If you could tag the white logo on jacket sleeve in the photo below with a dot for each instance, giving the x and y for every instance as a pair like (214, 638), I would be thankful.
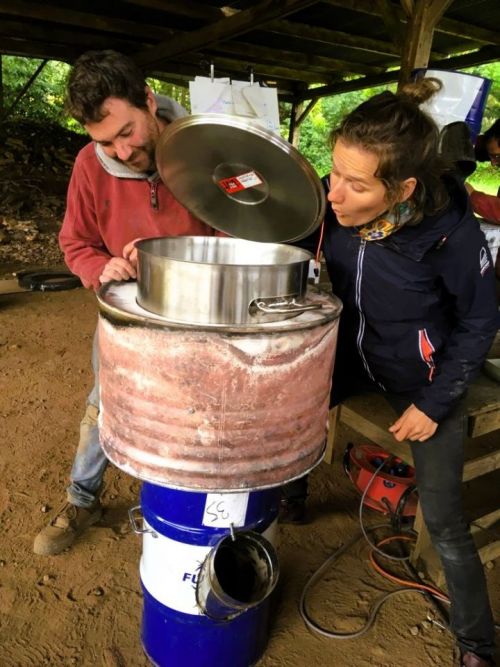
(484, 262)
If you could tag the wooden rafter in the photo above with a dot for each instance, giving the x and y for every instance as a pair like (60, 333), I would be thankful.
(392, 21)
(446, 25)
(234, 25)
(196, 10)
(331, 37)
(288, 43)
(62, 16)
(487, 54)
(264, 70)
(293, 58)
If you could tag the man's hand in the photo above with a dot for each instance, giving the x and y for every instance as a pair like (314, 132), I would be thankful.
(413, 425)
(117, 269)
(130, 252)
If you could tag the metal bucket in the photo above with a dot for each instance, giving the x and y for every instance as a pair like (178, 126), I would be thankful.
(180, 530)
(222, 408)
(212, 280)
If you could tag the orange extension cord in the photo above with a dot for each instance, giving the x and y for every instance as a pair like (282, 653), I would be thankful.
(408, 583)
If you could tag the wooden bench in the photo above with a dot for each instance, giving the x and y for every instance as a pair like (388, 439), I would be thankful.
(371, 415)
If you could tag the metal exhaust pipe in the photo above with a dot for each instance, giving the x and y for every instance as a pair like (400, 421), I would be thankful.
(239, 573)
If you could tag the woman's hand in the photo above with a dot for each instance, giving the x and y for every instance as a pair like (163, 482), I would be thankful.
(413, 425)
(130, 252)
(117, 269)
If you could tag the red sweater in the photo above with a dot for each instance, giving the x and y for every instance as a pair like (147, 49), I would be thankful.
(486, 206)
(105, 212)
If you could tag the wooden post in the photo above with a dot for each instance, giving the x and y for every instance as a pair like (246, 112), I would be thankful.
(333, 422)
(293, 130)
(297, 115)
(423, 16)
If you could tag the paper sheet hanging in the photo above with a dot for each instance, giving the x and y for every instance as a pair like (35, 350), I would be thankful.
(238, 98)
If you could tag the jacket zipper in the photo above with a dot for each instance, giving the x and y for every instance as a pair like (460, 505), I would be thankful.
(361, 330)
(153, 194)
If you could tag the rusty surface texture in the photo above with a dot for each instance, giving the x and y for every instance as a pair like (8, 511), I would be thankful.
(212, 411)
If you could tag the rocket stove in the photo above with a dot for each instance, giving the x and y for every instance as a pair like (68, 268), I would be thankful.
(215, 374)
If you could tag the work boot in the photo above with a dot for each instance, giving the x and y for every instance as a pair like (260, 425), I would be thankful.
(469, 659)
(69, 522)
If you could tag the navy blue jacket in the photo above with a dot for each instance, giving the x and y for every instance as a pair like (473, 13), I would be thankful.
(420, 309)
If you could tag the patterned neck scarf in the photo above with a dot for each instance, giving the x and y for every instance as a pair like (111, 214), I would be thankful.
(386, 223)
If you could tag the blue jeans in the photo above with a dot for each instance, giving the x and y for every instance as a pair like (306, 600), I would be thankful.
(439, 467)
(90, 462)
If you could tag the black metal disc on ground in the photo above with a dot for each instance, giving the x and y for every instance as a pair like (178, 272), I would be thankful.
(48, 281)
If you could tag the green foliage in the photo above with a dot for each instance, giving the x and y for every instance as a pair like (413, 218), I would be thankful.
(492, 112)
(45, 101)
(329, 111)
(486, 177)
(177, 93)
(45, 97)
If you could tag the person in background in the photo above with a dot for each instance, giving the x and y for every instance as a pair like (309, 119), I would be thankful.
(488, 148)
(408, 260)
(115, 196)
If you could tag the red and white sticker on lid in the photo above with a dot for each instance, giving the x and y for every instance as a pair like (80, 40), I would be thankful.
(242, 182)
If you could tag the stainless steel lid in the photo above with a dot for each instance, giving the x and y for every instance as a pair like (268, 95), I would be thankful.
(240, 178)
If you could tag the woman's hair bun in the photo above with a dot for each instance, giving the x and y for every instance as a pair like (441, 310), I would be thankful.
(421, 90)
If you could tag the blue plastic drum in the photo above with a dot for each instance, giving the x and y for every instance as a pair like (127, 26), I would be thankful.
(187, 537)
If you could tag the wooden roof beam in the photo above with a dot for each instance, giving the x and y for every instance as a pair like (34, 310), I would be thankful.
(28, 49)
(294, 58)
(244, 21)
(392, 21)
(484, 55)
(331, 37)
(65, 35)
(47, 13)
(187, 8)
(446, 25)
(264, 70)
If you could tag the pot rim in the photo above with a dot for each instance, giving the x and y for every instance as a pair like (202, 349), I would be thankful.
(307, 255)
(117, 303)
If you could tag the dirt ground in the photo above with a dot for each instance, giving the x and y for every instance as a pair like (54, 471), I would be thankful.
(84, 607)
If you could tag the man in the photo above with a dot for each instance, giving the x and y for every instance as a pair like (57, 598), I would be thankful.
(114, 197)
(487, 206)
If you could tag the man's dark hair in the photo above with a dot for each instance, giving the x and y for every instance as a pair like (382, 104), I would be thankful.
(480, 149)
(493, 132)
(97, 75)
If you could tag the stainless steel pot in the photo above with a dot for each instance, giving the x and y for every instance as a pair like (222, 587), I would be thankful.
(212, 280)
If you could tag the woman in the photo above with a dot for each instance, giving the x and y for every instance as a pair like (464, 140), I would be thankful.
(408, 260)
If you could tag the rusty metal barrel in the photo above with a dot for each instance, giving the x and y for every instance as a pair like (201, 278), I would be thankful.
(214, 408)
